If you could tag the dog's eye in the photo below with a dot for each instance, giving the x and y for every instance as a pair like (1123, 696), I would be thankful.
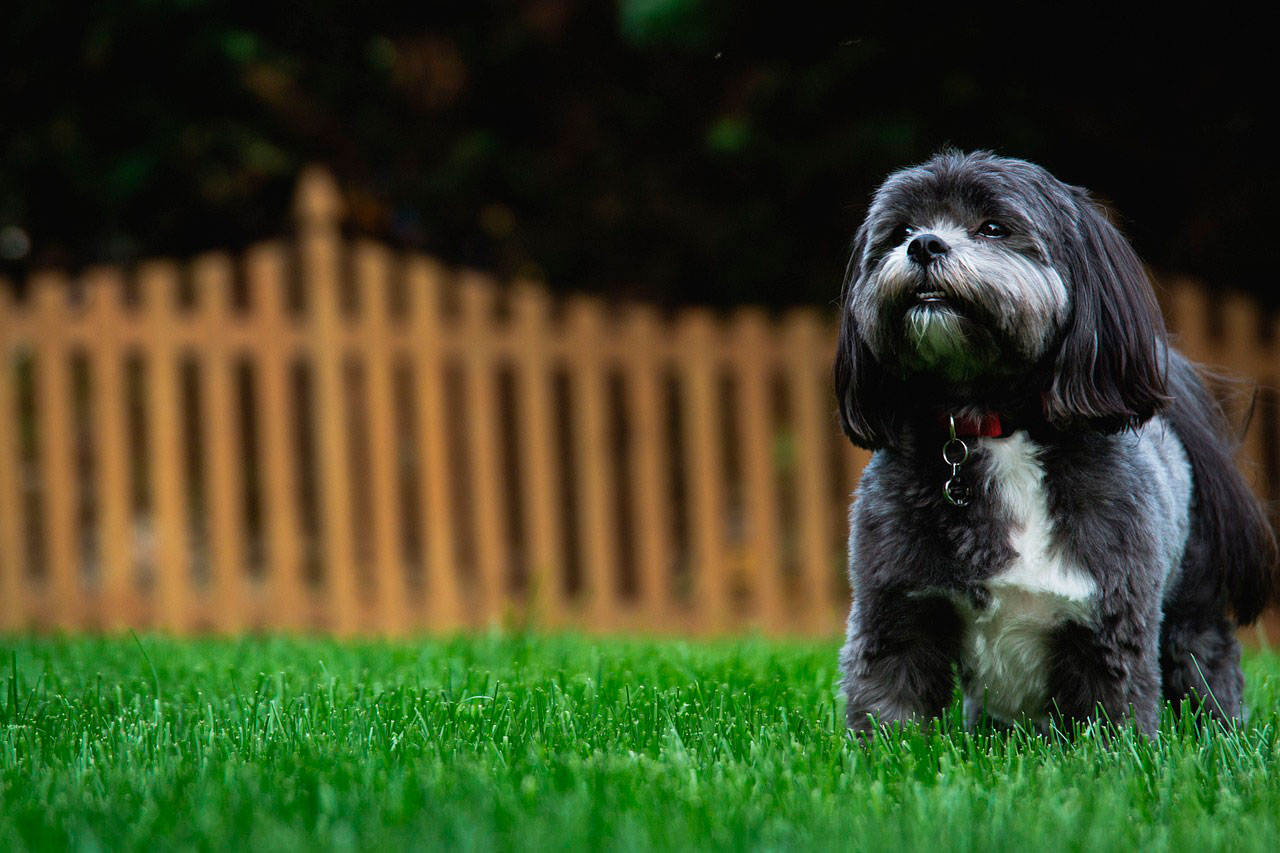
(993, 229)
(899, 234)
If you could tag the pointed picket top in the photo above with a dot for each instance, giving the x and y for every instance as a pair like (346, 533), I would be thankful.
(318, 200)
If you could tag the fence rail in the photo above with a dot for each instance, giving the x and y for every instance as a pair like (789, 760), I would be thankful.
(326, 434)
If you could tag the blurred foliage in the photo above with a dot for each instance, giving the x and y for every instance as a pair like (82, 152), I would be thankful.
(680, 150)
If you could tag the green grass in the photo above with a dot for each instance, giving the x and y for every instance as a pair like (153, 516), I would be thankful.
(565, 742)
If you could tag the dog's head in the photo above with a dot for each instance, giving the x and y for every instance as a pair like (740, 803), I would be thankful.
(974, 273)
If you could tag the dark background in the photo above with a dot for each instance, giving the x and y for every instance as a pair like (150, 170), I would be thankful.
(678, 150)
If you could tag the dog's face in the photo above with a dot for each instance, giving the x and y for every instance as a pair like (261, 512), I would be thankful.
(958, 276)
(976, 271)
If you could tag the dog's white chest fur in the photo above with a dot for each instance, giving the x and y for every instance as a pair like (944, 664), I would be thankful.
(1006, 643)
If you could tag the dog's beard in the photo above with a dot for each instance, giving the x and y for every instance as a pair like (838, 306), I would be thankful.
(936, 338)
(974, 313)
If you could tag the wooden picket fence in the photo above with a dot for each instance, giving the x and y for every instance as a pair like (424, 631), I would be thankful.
(324, 434)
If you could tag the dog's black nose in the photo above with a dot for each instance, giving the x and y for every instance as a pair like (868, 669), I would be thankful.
(927, 248)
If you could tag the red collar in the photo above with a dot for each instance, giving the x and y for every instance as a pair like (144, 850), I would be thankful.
(987, 425)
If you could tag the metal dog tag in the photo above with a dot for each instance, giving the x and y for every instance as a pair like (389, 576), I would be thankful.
(957, 491)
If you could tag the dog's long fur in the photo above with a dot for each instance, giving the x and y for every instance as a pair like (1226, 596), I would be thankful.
(1111, 549)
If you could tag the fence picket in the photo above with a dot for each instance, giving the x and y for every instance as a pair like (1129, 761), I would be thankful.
(220, 412)
(373, 277)
(814, 429)
(643, 363)
(158, 281)
(1248, 357)
(593, 461)
(118, 604)
(444, 600)
(320, 252)
(541, 492)
(488, 505)
(265, 268)
(696, 365)
(63, 594)
(760, 487)
(13, 583)
(1190, 321)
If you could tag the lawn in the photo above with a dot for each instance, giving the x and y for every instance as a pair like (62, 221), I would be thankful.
(566, 742)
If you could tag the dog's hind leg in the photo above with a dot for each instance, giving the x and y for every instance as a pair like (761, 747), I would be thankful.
(1200, 662)
(898, 660)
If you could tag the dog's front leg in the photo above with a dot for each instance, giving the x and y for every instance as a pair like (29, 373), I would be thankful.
(1108, 670)
(897, 660)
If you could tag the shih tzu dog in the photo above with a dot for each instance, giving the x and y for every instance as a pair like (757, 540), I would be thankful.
(1052, 510)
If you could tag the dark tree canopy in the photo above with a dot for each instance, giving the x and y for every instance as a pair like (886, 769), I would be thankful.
(681, 150)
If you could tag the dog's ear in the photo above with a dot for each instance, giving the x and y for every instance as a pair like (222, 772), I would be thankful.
(863, 388)
(1111, 369)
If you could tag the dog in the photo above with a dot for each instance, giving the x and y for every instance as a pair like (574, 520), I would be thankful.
(1051, 509)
